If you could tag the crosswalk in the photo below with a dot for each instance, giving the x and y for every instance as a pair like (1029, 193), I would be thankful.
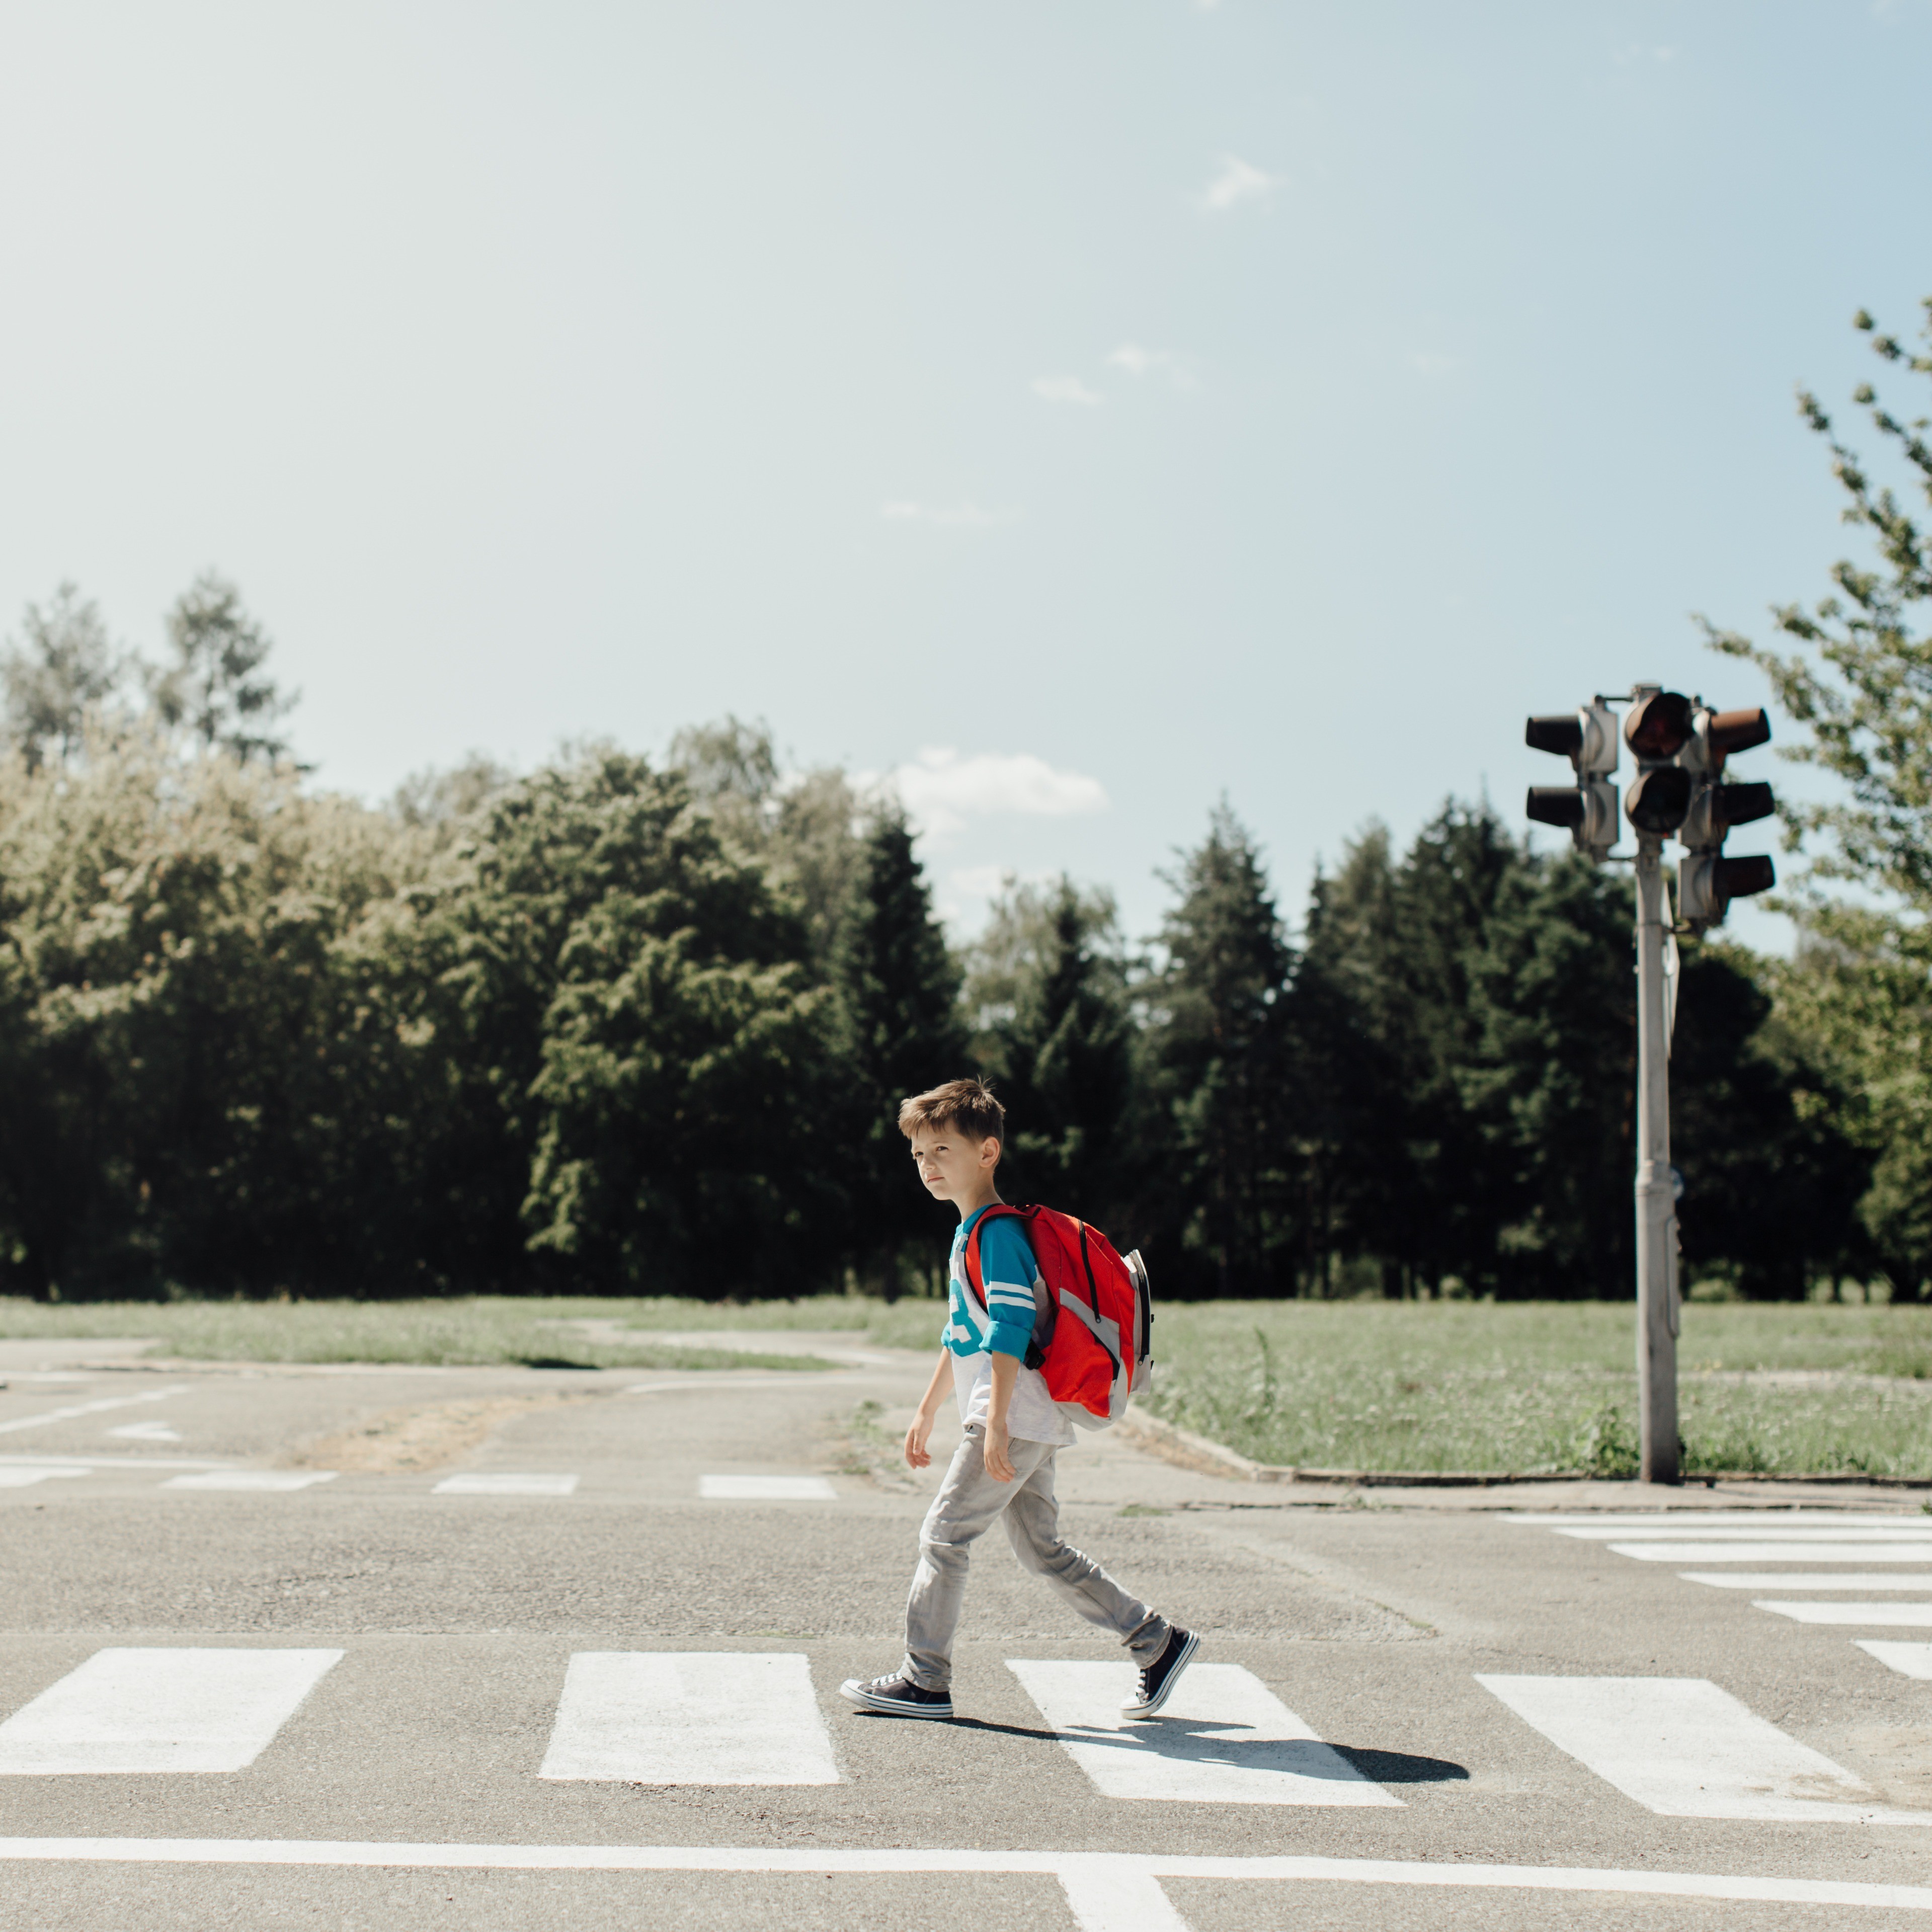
(1840, 1551)
(1681, 1747)
(1226, 1738)
(26, 1472)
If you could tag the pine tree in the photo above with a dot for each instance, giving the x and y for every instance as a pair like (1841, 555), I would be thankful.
(1050, 984)
(902, 1002)
(1223, 1061)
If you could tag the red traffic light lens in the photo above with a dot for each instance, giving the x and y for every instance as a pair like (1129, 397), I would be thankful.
(1660, 726)
(1659, 799)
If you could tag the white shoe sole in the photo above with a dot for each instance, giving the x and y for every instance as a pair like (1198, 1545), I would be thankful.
(856, 1693)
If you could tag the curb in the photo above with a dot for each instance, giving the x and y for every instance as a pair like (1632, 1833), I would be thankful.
(1176, 1444)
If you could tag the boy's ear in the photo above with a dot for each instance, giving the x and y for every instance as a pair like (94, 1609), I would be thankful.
(989, 1151)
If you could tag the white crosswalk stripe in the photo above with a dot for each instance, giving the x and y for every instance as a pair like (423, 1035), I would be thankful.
(1224, 1738)
(477, 1484)
(184, 1710)
(1715, 1552)
(691, 1717)
(267, 1480)
(1908, 1659)
(1684, 1748)
(1809, 1579)
(765, 1488)
(21, 1477)
(1905, 1616)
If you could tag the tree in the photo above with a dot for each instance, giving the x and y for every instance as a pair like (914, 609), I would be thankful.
(900, 987)
(631, 1039)
(67, 668)
(1223, 1065)
(216, 687)
(1861, 680)
(1548, 1082)
(1046, 996)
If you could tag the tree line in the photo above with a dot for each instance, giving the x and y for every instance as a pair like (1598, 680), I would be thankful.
(616, 1025)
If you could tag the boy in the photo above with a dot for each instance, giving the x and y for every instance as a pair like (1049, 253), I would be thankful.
(1003, 1467)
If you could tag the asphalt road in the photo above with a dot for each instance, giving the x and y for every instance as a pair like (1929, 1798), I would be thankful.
(508, 1709)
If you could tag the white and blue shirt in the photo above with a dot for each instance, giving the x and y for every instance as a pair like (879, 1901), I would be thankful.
(1015, 1311)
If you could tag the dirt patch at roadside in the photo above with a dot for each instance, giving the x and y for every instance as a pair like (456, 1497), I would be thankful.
(424, 1437)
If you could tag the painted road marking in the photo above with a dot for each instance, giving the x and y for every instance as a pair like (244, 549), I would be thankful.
(1775, 1552)
(1795, 1538)
(1084, 1875)
(1224, 1738)
(251, 1479)
(1683, 1748)
(52, 1461)
(1905, 1616)
(1908, 1659)
(690, 1717)
(81, 1408)
(147, 1432)
(766, 1489)
(475, 1484)
(1805, 1579)
(1718, 1519)
(161, 1710)
(21, 1474)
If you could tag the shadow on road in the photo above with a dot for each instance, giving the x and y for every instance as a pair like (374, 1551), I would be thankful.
(1400, 1767)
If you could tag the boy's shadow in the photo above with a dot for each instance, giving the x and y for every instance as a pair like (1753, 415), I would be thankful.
(1179, 1738)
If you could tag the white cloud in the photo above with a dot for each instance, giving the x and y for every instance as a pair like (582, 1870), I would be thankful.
(1065, 389)
(1138, 362)
(1425, 362)
(942, 789)
(950, 517)
(1239, 181)
(1640, 53)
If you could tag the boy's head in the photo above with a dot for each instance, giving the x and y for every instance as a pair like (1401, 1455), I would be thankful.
(955, 1131)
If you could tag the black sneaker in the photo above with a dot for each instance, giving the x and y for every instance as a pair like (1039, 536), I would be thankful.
(896, 1697)
(1160, 1676)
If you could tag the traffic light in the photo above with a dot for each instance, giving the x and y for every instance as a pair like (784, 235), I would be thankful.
(1588, 738)
(1657, 728)
(1707, 881)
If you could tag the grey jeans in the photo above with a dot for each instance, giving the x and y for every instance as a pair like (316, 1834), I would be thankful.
(964, 1510)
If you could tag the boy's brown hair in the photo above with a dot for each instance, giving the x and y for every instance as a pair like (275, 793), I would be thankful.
(966, 1105)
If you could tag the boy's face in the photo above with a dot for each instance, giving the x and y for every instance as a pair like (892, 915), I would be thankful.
(953, 1166)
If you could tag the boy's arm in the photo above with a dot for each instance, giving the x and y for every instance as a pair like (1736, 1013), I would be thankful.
(916, 1455)
(1006, 1373)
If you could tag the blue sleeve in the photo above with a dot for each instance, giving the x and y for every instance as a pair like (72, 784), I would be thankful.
(1008, 1270)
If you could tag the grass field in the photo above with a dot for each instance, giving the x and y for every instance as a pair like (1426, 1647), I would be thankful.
(481, 1331)
(1362, 1385)
(1548, 1386)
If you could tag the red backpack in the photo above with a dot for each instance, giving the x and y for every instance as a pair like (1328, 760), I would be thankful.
(1099, 1358)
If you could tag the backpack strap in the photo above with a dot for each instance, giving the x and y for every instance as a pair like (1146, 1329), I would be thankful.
(975, 1279)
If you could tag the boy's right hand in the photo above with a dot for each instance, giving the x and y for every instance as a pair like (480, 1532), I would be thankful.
(916, 1455)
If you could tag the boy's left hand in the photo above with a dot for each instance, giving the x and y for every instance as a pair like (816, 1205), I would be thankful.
(999, 1464)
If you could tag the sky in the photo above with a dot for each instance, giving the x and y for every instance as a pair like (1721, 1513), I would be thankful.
(1078, 414)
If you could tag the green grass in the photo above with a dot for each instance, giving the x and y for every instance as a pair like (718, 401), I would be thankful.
(1546, 1387)
(1360, 1385)
(481, 1331)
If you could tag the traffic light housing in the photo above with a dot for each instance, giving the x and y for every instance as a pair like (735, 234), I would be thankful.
(1657, 727)
(1588, 809)
(1707, 881)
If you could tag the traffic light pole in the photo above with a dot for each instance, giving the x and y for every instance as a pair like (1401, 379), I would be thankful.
(1657, 1316)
